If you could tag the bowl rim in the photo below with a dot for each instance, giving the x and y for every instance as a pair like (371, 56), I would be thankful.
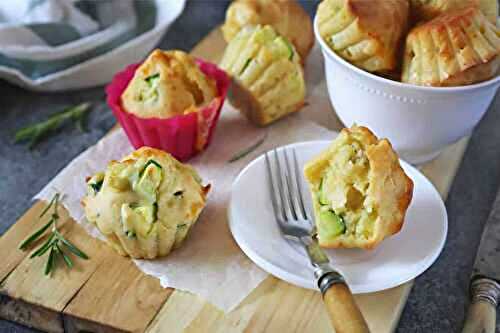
(370, 76)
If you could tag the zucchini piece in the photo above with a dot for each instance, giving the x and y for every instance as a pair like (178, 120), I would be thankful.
(150, 91)
(330, 224)
(322, 196)
(152, 80)
(290, 51)
(138, 220)
(149, 181)
(95, 183)
(249, 60)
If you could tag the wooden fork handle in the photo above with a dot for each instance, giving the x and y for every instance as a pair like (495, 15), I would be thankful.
(343, 311)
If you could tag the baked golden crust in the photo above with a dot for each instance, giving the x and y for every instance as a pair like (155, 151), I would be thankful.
(367, 33)
(146, 203)
(287, 17)
(456, 48)
(167, 84)
(268, 79)
(425, 10)
(359, 181)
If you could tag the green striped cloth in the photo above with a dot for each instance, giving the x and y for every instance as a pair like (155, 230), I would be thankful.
(40, 39)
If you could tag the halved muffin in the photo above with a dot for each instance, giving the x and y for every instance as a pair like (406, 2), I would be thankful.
(424, 10)
(367, 33)
(167, 84)
(360, 192)
(456, 48)
(146, 203)
(268, 81)
(287, 17)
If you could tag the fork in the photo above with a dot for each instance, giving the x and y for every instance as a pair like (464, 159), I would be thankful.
(296, 224)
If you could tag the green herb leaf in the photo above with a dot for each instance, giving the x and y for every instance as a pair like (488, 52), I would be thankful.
(50, 261)
(76, 251)
(54, 242)
(66, 258)
(44, 248)
(248, 150)
(35, 235)
(34, 133)
(81, 123)
(56, 196)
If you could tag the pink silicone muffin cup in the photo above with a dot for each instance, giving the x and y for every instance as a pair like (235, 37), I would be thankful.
(182, 136)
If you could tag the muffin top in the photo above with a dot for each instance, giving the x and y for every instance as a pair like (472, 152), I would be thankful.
(282, 15)
(456, 48)
(360, 192)
(266, 66)
(367, 33)
(167, 84)
(145, 203)
(424, 10)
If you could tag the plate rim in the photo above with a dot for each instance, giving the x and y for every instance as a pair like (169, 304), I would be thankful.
(295, 279)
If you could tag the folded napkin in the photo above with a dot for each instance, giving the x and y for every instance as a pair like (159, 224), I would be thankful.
(69, 44)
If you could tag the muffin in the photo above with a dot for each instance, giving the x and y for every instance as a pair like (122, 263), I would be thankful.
(425, 10)
(268, 81)
(287, 17)
(360, 192)
(171, 101)
(457, 48)
(146, 203)
(367, 33)
(168, 84)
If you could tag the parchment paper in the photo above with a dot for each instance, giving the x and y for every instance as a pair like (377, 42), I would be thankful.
(209, 263)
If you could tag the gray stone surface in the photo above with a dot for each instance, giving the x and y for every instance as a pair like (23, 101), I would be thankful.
(438, 300)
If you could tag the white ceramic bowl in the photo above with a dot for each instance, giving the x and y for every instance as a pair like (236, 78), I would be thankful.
(419, 121)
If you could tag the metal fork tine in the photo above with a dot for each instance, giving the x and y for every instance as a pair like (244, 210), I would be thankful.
(299, 186)
(281, 190)
(273, 192)
(288, 189)
(292, 187)
(284, 196)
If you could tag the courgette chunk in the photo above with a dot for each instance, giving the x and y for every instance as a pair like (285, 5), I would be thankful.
(95, 182)
(149, 181)
(323, 198)
(96, 186)
(152, 80)
(249, 60)
(331, 224)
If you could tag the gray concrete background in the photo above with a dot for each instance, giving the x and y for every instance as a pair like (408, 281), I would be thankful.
(439, 297)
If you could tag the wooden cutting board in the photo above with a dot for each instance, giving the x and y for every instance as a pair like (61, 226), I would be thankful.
(109, 294)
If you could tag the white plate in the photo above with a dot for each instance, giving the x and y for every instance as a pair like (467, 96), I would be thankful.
(398, 259)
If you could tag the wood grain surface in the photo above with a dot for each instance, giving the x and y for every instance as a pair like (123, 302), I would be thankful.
(109, 294)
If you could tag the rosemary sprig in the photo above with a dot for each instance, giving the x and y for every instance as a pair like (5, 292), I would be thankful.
(34, 133)
(248, 150)
(55, 244)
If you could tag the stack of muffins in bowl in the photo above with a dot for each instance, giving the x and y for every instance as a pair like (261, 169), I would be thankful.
(420, 73)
